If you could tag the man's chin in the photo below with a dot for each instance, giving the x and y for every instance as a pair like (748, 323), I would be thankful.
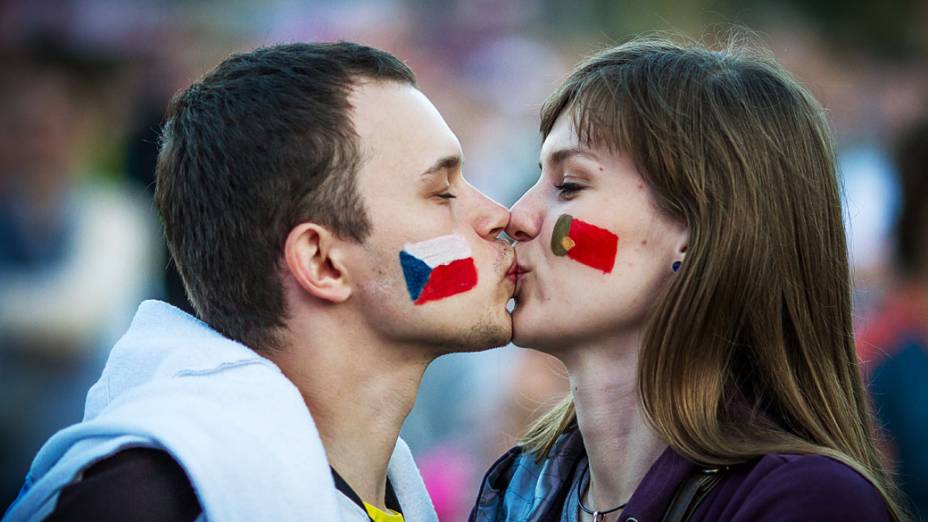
(494, 337)
(484, 335)
(470, 333)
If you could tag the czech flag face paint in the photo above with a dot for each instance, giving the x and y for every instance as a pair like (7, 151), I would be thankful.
(438, 268)
(585, 243)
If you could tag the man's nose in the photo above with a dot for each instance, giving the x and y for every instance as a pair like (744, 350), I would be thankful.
(492, 218)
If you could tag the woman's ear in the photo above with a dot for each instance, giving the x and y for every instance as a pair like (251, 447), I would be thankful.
(680, 247)
(314, 260)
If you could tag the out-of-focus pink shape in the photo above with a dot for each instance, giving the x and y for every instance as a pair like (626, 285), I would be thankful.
(448, 473)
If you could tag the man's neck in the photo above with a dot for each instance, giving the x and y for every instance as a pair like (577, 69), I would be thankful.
(359, 392)
(620, 445)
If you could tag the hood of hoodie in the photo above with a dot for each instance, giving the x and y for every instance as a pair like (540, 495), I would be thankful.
(228, 416)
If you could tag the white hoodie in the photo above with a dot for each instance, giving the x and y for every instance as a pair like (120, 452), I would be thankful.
(228, 416)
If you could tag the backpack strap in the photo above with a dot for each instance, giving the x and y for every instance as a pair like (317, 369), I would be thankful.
(692, 492)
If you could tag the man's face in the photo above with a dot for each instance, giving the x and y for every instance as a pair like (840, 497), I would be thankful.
(432, 272)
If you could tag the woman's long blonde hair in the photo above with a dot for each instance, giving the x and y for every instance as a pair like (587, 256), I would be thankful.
(750, 350)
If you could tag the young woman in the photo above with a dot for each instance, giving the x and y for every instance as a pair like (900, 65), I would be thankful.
(683, 253)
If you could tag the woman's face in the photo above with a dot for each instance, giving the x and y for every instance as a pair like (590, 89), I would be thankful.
(593, 248)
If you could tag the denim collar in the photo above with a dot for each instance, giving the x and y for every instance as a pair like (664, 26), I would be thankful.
(517, 487)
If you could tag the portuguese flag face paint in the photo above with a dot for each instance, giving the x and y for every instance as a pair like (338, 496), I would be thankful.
(585, 243)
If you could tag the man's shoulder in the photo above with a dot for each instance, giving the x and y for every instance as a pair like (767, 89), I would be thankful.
(134, 484)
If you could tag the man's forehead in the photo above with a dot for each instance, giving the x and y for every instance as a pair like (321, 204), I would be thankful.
(386, 106)
(398, 127)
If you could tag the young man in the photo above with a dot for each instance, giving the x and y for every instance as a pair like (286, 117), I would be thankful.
(313, 201)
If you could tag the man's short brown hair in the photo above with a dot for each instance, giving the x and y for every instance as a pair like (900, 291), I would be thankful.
(260, 144)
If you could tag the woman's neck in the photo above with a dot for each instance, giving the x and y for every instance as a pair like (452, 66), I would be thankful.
(620, 444)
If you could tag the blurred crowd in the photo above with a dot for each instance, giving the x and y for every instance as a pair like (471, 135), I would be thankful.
(84, 84)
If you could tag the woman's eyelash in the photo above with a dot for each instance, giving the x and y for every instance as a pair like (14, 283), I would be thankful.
(568, 188)
(446, 195)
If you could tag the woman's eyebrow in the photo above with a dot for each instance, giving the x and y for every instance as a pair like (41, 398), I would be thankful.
(562, 155)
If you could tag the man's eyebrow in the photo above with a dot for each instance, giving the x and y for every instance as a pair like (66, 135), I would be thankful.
(446, 163)
(561, 155)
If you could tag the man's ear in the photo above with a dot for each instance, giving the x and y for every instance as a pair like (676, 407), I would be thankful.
(314, 260)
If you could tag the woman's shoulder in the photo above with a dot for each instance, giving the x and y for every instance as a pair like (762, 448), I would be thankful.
(520, 470)
(522, 482)
(789, 486)
(818, 471)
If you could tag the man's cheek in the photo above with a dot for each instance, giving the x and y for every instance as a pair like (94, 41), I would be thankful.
(438, 268)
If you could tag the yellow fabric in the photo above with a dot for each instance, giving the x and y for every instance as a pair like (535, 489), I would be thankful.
(382, 516)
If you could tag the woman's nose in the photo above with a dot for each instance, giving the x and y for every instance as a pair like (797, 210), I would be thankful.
(524, 219)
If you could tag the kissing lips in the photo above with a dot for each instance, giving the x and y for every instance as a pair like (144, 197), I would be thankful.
(516, 273)
(513, 273)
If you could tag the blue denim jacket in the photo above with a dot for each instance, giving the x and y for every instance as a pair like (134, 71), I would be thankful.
(519, 487)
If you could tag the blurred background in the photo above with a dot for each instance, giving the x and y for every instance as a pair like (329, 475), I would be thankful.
(84, 83)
